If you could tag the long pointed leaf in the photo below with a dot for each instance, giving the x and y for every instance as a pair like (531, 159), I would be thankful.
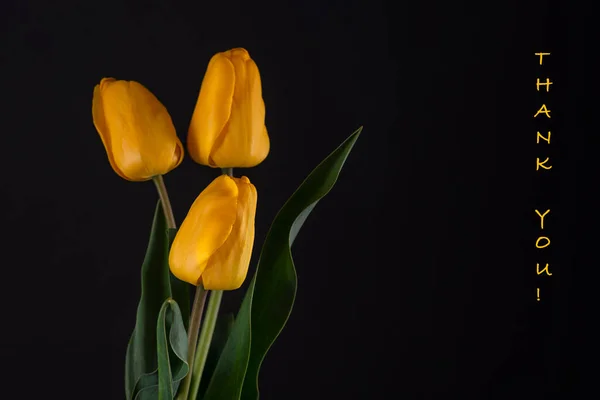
(275, 277)
(270, 296)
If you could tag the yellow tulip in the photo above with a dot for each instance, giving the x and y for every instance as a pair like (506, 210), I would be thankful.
(228, 124)
(214, 243)
(136, 130)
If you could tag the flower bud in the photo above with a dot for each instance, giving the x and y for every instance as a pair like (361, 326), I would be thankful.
(214, 244)
(228, 124)
(136, 130)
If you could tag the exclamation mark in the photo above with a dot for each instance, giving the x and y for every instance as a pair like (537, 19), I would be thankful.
(538, 294)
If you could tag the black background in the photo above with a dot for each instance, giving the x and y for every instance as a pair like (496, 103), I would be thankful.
(416, 273)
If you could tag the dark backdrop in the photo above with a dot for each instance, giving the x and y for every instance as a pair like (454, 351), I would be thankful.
(416, 273)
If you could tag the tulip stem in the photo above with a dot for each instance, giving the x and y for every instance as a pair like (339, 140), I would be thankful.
(164, 199)
(227, 171)
(195, 319)
(208, 328)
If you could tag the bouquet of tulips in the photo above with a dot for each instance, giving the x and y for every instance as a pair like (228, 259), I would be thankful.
(182, 348)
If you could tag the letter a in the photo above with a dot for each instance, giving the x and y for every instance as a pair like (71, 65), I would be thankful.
(544, 110)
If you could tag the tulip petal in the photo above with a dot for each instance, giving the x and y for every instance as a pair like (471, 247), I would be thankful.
(122, 129)
(143, 139)
(245, 142)
(212, 110)
(160, 148)
(100, 124)
(206, 227)
(228, 266)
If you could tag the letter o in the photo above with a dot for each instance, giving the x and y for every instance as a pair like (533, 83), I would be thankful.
(537, 242)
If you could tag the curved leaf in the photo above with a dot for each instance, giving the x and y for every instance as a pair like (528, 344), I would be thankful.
(270, 296)
(156, 279)
(146, 388)
(172, 349)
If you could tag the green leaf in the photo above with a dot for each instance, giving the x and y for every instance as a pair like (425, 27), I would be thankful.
(228, 376)
(171, 349)
(270, 296)
(146, 387)
(141, 359)
(222, 331)
(172, 366)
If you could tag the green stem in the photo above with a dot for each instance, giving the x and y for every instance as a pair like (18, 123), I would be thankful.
(208, 328)
(195, 319)
(227, 171)
(199, 297)
(165, 202)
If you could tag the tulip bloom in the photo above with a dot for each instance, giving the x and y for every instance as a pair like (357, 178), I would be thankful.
(136, 130)
(214, 243)
(228, 124)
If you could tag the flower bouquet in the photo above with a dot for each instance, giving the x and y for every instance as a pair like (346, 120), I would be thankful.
(182, 348)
